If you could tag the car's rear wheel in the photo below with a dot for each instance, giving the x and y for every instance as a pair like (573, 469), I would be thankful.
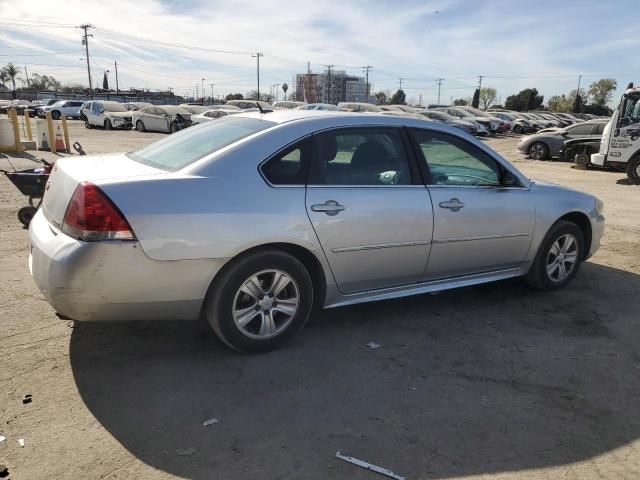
(107, 124)
(140, 126)
(633, 170)
(538, 151)
(558, 258)
(55, 115)
(260, 301)
(87, 124)
(518, 129)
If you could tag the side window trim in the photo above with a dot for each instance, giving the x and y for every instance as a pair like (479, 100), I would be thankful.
(304, 144)
(406, 145)
(424, 164)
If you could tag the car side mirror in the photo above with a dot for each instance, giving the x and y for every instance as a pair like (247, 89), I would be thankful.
(390, 177)
(510, 180)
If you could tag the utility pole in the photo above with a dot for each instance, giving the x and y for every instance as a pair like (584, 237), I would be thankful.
(203, 95)
(420, 100)
(211, 85)
(366, 69)
(115, 64)
(196, 93)
(578, 91)
(400, 86)
(257, 57)
(439, 84)
(26, 73)
(85, 41)
(329, 67)
(480, 77)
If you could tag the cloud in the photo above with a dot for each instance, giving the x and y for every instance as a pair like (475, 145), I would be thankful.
(546, 44)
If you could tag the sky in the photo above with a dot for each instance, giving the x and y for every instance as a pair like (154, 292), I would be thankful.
(512, 44)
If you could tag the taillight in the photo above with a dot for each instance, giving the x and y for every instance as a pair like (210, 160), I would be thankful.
(91, 216)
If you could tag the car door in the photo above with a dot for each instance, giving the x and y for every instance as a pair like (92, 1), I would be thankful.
(369, 211)
(95, 113)
(483, 215)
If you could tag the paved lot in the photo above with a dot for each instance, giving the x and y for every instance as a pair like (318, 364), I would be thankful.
(496, 381)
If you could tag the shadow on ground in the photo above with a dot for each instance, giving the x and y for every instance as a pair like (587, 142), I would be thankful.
(487, 379)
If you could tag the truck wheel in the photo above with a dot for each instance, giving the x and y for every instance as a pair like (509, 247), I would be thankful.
(581, 159)
(633, 170)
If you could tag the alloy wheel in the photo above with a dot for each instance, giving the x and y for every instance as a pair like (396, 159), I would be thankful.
(536, 151)
(265, 304)
(562, 257)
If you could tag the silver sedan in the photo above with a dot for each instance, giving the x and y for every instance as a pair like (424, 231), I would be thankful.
(250, 220)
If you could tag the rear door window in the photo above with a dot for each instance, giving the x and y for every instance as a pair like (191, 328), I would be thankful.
(288, 167)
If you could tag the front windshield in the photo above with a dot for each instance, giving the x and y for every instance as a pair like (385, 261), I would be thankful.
(114, 107)
(186, 147)
(631, 109)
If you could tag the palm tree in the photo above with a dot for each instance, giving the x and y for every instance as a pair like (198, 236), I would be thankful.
(12, 71)
(4, 76)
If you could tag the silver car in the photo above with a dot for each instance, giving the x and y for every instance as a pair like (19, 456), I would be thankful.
(161, 118)
(250, 220)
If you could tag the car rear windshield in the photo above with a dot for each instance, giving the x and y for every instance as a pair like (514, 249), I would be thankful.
(190, 145)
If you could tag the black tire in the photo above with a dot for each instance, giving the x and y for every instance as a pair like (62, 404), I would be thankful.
(537, 276)
(634, 138)
(55, 115)
(633, 170)
(25, 215)
(538, 151)
(140, 126)
(107, 124)
(173, 127)
(518, 129)
(87, 124)
(582, 159)
(222, 296)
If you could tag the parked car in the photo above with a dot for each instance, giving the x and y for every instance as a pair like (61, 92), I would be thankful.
(245, 104)
(287, 104)
(490, 125)
(161, 118)
(4, 106)
(213, 115)
(358, 107)
(133, 106)
(517, 125)
(193, 109)
(467, 126)
(224, 107)
(106, 114)
(250, 220)
(318, 106)
(502, 126)
(70, 108)
(544, 145)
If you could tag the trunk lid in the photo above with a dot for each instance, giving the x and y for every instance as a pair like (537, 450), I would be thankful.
(69, 172)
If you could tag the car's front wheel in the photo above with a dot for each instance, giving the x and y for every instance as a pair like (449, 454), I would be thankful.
(538, 151)
(140, 126)
(260, 301)
(559, 257)
(518, 129)
(107, 124)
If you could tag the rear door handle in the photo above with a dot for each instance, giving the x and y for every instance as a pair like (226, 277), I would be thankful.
(330, 207)
(454, 204)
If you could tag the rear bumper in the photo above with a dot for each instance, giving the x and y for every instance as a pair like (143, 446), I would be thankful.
(114, 280)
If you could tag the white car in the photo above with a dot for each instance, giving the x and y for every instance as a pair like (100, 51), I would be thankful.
(70, 109)
(106, 114)
(133, 106)
(161, 118)
(288, 104)
(213, 115)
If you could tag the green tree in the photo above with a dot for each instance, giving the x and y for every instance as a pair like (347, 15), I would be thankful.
(398, 98)
(527, 99)
(475, 103)
(560, 103)
(44, 82)
(460, 102)
(488, 96)
(4, 77)
(602, 91)
(381, 98)
(12, 71)
(234, 96)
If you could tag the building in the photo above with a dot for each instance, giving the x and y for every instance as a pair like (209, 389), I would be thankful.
(333, 86)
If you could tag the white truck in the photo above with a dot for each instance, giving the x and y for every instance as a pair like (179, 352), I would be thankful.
(620, 144)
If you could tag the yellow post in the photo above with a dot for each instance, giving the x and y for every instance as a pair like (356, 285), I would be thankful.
(65, 131)
(27, 122)
(16, 130)
(52, 139)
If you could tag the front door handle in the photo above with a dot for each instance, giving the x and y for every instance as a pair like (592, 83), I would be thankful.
(454, 204)
(330, 207)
